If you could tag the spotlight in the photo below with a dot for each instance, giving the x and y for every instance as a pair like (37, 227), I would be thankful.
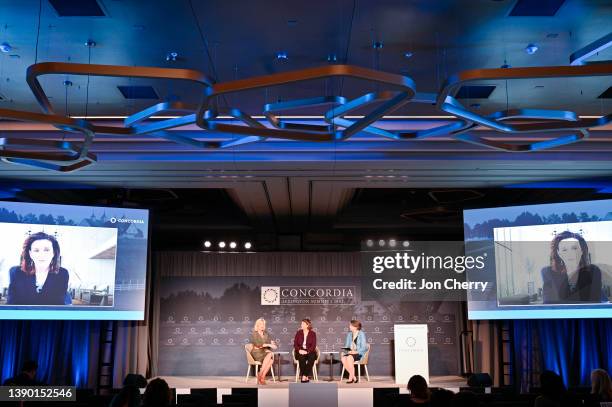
(531, 49)
(406, 243)
(207, 243)
(248, 245)
(332, 58)
(232, 245)
(392, 243)
(369, 243)
(221, 244)
(282, 55)
(381, 242)
(171, 56)
(408, 54)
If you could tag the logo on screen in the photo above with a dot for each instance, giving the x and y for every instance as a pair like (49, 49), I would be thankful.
(270, 295)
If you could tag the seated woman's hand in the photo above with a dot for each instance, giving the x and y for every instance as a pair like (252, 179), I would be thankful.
(303, 352)
(352, 352)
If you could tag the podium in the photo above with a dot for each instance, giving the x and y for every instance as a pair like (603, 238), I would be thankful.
(411, 355)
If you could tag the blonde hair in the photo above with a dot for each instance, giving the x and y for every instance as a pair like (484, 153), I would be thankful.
(601, 384)
(262, 321)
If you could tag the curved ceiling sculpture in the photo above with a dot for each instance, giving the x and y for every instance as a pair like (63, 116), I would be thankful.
(64, 156)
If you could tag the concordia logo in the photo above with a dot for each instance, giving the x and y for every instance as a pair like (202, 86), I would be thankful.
(125, 220)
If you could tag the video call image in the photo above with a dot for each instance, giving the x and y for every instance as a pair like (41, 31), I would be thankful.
(57, 265)
(545, 260)
(554, 264)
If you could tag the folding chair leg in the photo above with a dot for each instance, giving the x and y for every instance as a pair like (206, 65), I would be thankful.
(315, 376)
(366, 370)
(256, 370)
(342, 374)
(246, 379)
(272, 371)
(297, 372)
(359, 372)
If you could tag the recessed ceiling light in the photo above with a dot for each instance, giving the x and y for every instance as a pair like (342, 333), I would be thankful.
(171, 56)
(207, 243)
(248, 245)
(531, 49)
(408, 54)
(282, 55)
(5, 47)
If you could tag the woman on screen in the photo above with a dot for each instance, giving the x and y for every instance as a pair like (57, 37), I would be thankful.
(570, 277)
(261, 349)
(39, 279)
(355, 347)
(305, 348)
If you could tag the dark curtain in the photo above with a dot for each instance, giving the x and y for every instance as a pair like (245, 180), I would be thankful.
(572, 348)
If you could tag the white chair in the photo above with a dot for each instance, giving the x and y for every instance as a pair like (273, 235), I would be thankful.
(315, 375)
(362, 362)
(253, 362)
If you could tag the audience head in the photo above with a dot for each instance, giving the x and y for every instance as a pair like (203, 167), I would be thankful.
(601, 385)
(29, 368)
(260, 325)
(157, 394)
(306, 324)
(355, 325)
(122, 399)
(465, 399)
(441, 398)
(552, 385)
(418, 387)
(136, 380)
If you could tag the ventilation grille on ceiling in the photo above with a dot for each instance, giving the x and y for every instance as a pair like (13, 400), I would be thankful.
(138, 92)
(77, 8)
(607, 94)
(536, 8)
(475, 92)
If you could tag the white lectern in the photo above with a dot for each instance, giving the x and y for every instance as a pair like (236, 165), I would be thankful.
(411, 356)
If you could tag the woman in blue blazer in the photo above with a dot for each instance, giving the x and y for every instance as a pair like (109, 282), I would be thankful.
(39, 279)
(355, 348)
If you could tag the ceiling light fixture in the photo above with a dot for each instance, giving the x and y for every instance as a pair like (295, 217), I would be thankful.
(282, 56)
(531, 49)
(207, 244)
(232, 245)
(171, 56)
(221, 244)
(247, 245)
(5, 47)
(408, 54)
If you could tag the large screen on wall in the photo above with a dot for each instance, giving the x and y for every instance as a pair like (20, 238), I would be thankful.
(72, 262)
(544, 261)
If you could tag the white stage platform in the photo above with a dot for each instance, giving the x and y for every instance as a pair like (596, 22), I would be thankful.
(277, 394)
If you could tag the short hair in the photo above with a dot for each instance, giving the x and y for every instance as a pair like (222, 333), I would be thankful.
(418, 387)
(137, 380)
(29, 365)
(356, 323)
(27, 264)
(157, 393)
(263, 321)
(308, 323)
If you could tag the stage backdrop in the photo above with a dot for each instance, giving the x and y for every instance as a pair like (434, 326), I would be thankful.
(204, 322)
